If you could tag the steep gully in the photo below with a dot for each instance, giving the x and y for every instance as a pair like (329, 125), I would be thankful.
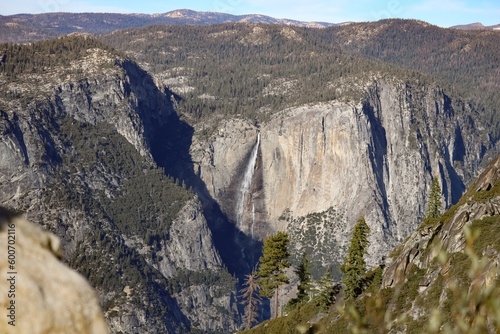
(170, 147)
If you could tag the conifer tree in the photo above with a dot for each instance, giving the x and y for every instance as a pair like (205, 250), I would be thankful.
(326, 290)
(272, 264)
(305, 282)
(434, 204)
(251, 300)
(354, 266)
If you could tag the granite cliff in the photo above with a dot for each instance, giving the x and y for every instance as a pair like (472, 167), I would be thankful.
(374, 158)
(339, 129)
(453, 259)
(443, 279)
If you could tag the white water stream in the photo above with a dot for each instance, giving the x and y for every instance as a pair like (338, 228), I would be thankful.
(245, 193)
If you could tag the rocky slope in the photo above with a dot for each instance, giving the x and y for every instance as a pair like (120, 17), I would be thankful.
(76, 157)
(454, 259)
(84, 130)
(340, 135)
(60, 300)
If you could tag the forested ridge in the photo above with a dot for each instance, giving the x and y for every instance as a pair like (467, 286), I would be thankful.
(468, 59)
(23, 28)
(255, 70)
(249, 69)
(258, 69)
(39, 57)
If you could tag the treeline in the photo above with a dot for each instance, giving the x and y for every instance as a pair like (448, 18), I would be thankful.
(320, 295)
(248, 69)
(39, 57)
(220, 279)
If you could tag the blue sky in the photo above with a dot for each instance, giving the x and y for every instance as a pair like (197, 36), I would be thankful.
(444, 13)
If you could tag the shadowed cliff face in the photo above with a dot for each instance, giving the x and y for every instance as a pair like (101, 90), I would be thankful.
(80, 149)
(375, 159)
(82, 145)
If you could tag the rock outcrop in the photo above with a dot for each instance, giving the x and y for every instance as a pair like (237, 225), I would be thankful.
(447, 233)
(189, 245)
(445, 278)
(45, 295)
(447, 252)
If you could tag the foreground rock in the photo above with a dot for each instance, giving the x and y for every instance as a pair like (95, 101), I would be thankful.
(48, 296)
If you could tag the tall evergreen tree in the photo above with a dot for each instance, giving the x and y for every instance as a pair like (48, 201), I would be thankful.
(272, 265)
(326, 295)
(251, 300)
(305, 282)
(354, 266)
(434, 204)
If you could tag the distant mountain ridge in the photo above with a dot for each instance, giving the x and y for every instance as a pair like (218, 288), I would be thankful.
(26, 28)
(476, 26)
(23, 28)
(216, 17)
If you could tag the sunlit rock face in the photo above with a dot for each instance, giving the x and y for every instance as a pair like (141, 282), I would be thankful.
(375, 159)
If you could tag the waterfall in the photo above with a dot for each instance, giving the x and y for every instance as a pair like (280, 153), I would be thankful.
(245, 194)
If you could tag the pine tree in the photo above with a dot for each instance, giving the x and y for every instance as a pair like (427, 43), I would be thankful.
(326, 295)
(434, 205)
(305, 282)
(272, 264)
(251, 300)
(354, 266)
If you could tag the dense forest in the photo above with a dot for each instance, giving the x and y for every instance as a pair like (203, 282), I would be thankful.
(248, 69)
(467, 59)
(38, 58)
(256, 70)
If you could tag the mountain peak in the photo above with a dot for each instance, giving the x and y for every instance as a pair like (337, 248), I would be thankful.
(176, 13)
(475, 26)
